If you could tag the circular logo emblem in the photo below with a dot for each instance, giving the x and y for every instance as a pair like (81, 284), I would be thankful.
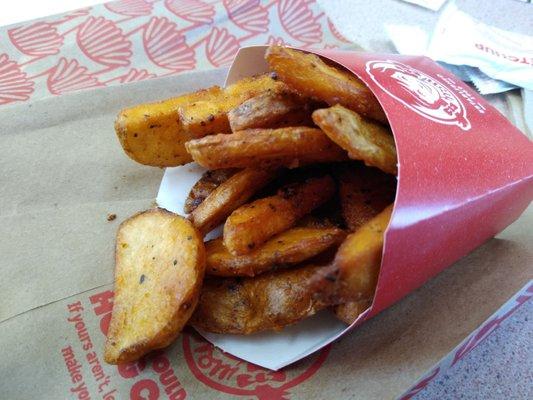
(231, 375)
(419, 92)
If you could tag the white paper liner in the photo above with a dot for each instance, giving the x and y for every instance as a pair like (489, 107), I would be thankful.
(272, 350)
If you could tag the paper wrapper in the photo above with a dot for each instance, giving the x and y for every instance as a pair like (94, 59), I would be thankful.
(63, 173)
(457, 187)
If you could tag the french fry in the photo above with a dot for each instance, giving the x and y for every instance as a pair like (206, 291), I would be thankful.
(364, 193)
(249, 226)
(318, 222)
(160, 264)
(155, 134)
(248, 305)
(348, 312)
(291, 147)
(228, 196)
(363, 140)
(354, 272)
(209, 181)
(311, 77)
(272, 109)
(288, 248)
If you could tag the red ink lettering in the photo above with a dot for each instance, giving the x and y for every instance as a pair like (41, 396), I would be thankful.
(103, 302)
(145, 389)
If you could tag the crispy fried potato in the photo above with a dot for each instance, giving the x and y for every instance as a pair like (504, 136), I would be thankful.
(209, 181)
(272, 109)
(363, 140)
(288, 248)
(348, 312)
(354, 272)
(155, 133)
(249, 226)
(364, 193)
(160, 264)
(227, 197)
(318, 222)
(290, 147)
(247, 305)
(311, 77)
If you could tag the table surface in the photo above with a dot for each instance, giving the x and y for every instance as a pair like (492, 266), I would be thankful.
(500, 367)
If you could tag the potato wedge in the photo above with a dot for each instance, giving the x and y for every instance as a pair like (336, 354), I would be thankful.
(288, 248)
(249, 226)
(272, 109)
(364, 193)
(363, 140)
(289, 147)
(248, 305)
(317, 222)
(311, 77)
(348, 312)
(209, 181)
(160, 265)
(354, 272)
(155, 134)
(229, 196)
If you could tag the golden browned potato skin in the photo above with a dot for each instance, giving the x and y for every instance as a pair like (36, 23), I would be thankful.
(318, 222)
(272, 109)
(364, 192)
(291, 147)
(249, 226)
(363, 140)
(155, 134)
(160, 265)
(288, 248)
(248, 305)
(209, 181)
(354, 272)
(348, 312)
(228, 196)
(311, 77)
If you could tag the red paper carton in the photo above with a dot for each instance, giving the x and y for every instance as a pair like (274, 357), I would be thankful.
(465, 173)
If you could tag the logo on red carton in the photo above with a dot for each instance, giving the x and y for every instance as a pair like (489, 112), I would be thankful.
(228, 374)
(419, 92)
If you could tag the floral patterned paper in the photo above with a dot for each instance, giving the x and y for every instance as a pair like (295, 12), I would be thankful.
(131, 40)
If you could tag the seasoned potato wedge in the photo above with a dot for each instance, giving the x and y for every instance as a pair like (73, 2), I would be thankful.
(348, 312)
(228, 196)
(290, 247)
(354, 272)
(249, 226)
(155, 133)
(363, 140)
(318, 222)
(311, 77)
(160, 265)
(209, 181)
(289, 146)
(272, 109)
(266, 302)
(364, 193)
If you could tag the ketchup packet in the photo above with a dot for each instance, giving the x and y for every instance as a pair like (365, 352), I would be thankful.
(460, 39)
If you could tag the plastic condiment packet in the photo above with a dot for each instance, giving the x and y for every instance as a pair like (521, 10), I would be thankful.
(434, 5)
(408, 39)
(484, 83)
(460, 39)
(415, 40)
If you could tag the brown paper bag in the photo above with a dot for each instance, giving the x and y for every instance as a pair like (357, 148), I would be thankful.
(63, 173)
